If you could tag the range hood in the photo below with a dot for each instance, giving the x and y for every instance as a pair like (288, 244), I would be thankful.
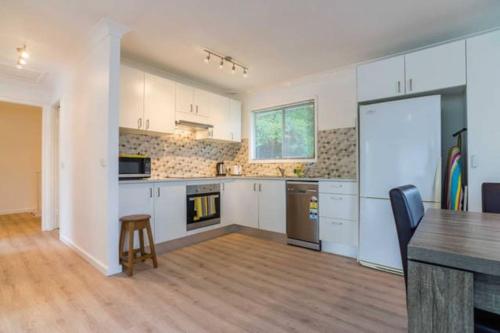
(192, 124)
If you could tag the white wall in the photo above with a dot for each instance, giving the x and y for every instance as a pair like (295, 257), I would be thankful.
(89, 151)
(20, 165)
(335, 93)
(483, 113)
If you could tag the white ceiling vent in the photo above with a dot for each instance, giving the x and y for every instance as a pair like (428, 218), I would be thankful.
(27, 75)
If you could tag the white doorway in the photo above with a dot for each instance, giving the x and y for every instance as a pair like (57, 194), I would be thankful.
(55, 162)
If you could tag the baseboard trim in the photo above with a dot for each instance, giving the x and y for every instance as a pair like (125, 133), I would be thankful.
(339, 249)
(18, 211)
(85, 255)
(178, 243)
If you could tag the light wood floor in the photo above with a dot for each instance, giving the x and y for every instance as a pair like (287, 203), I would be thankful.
(235, 283)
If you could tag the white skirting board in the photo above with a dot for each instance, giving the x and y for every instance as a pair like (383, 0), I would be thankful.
(341, 249)
(18, 211)
(104, 269)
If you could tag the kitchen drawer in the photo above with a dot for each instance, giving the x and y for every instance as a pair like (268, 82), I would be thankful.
(337, 231)
(338, 206)
(338, 187)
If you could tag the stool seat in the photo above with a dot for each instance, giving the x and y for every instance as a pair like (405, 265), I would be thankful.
(136, 217)
(130, 224)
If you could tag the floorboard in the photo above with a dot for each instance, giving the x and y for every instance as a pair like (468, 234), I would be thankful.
(234, 283)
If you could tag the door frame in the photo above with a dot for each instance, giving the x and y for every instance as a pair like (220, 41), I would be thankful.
(47, 167)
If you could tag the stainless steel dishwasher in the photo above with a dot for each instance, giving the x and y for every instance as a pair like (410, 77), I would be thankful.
(302, 215)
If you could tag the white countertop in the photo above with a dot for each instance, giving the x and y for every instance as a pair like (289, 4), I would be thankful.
(222, 178)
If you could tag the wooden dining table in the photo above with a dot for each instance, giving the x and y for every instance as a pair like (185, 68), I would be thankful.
(453, 267)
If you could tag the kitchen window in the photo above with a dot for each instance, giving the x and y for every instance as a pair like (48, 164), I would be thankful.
(284, 133)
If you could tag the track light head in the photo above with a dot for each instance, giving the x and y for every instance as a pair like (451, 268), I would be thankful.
(221, 64)
(207, 58)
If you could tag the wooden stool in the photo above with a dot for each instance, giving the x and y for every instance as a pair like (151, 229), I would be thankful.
(130, 224)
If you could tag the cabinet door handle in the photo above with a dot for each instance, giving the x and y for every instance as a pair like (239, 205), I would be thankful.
(399, 87)
(260, 187)
(139, 123)
(337, 223)
(190, 107)
(254, 187)
(147, 123)
(196, 108)
(150, 192)
(336, 198)
(158, 192)
(223, 186)
(232, 136)
(410, 83)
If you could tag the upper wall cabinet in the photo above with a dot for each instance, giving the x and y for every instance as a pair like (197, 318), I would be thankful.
(436, 68)
(131, 98)
(430, 69)
(193, 104)
(226, 117)
(381, 79)
(147, 102)
(159, 104)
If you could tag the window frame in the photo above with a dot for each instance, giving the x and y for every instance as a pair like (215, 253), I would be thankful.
(251, 148)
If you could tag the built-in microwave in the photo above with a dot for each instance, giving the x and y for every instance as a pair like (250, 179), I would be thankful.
(134, 167)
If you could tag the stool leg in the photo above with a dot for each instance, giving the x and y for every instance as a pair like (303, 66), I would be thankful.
(121, 249)
(141, 242)
(152, 245)
(130, 264)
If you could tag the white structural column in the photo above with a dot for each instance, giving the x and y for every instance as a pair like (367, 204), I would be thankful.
(89, 150)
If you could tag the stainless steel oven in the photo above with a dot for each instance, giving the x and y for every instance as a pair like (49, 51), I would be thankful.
(134, 167)
(203, 205)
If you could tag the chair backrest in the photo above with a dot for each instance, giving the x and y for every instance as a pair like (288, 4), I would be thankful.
(491, 197)
(408, 211)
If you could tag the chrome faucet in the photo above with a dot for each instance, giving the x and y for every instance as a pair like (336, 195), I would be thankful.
(281, 171)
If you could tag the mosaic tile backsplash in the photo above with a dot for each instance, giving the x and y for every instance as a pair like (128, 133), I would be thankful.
(181, 155)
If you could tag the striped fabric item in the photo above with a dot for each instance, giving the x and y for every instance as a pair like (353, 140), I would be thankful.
(454, 180)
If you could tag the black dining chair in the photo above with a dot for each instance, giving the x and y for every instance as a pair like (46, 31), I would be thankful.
(408, 210)
(491, 197)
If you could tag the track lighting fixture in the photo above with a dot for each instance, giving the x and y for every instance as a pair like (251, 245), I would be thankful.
(230, 60)
(22, 58)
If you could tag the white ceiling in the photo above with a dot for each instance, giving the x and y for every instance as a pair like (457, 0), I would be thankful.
(279, 40)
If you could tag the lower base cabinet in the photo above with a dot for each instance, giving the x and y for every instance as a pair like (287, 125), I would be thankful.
(169, 211)
(259, 204)
(164, 202)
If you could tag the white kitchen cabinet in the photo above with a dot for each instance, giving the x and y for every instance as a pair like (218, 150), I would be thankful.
(147, 102)
(272, 205)
(184, 99)
(338, 206)
(131, 98)
(235, 119)
(240, 203)
(226, 117)
(169, 211)
(483, 113)
(337, 231)
(137, 199)
(193, 104)
(381, 79)
(205, 102)
(436, 68)
(159, 104)
(338, 210)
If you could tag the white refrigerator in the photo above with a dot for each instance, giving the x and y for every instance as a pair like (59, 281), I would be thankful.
(400, 144)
